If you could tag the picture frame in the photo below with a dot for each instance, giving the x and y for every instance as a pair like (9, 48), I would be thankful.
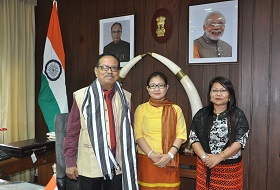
(126, 36)
(202, 53)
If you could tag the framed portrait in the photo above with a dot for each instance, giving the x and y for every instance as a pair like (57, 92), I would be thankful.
(117, 37)
(213, 32)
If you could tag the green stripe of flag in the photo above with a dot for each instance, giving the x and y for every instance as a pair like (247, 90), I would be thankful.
(47, 103)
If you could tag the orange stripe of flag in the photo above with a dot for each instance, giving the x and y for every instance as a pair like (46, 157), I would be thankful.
(51, 185)
(54, 35)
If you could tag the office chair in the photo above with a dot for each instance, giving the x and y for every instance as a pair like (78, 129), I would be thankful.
(62, 181)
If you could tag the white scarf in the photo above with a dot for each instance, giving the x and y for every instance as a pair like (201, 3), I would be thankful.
(94, 114)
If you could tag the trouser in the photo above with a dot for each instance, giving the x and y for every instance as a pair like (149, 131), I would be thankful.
(86, 183)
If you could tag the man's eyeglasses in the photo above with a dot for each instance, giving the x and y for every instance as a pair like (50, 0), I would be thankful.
(116, 32)
(160, 86)
(223, 91)
(216, 24)
(106, 68)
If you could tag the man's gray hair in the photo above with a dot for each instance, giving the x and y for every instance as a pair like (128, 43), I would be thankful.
(212, 14)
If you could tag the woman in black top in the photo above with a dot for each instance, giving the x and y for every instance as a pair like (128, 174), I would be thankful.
(218, 133)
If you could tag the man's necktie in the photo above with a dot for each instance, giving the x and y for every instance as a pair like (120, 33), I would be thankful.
(108, 98)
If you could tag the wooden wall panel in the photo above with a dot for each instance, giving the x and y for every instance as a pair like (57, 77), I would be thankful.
(182, 57)
(129, 7)
(260, 91)
(44, 9)
(273, 125)
(208, 73)
(245, 52)
(149, 46)
(234, 77)
(170, 48)
(82, 41)
(138, 84)
(255, 76)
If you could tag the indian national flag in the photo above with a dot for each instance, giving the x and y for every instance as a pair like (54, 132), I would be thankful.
(52, 184)
(52, 97)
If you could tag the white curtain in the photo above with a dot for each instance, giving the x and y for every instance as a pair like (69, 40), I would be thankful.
(17, 69)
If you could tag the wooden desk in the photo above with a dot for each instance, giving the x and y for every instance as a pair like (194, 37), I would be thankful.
(190, 161)
(15, 165)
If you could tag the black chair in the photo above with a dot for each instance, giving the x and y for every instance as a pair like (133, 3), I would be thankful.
(62, 181)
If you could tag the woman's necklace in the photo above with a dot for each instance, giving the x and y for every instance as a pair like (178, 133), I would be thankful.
(218, 114)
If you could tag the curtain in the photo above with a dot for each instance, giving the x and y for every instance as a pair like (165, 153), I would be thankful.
(17, 67)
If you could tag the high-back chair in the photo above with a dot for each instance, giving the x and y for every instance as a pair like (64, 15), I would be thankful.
(62, 181)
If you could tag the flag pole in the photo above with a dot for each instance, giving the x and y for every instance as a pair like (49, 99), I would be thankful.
(52, 97)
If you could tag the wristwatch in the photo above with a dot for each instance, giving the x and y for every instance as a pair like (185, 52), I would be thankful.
(203, 157)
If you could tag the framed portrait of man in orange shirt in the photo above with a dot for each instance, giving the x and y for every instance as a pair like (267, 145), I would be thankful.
(213, 32)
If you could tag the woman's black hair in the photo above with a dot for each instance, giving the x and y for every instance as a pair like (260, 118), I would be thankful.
(157, 73)
(106, 54)
(226, 83)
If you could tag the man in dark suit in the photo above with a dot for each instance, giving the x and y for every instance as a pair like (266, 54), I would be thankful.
(118, 47)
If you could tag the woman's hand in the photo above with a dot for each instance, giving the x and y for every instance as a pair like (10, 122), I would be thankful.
(212, 160)
(155, 156)
(165, 158)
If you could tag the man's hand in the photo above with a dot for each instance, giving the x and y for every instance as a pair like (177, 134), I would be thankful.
(72, 172)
